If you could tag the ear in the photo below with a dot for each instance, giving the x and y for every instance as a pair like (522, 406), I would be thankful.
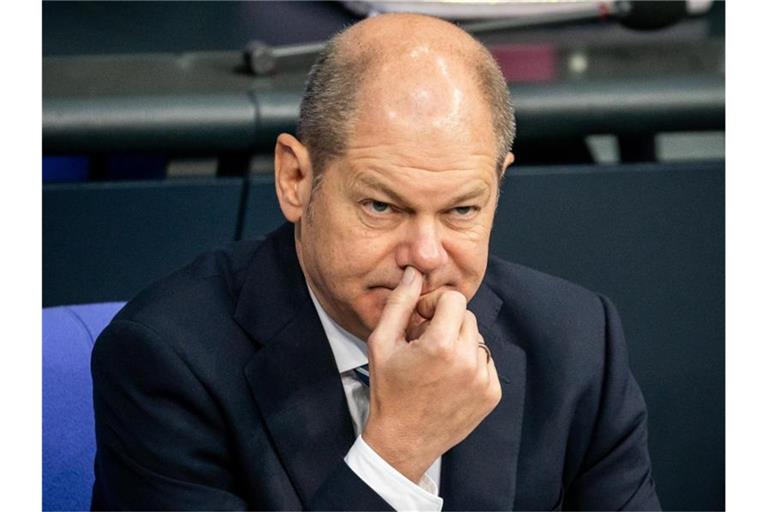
(293, 176)
(507, 162)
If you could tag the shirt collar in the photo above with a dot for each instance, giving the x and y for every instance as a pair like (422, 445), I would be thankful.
(349, 351)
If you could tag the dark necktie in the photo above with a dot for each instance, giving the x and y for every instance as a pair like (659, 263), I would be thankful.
(362, 374)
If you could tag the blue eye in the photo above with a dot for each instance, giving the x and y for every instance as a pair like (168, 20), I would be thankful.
(379, 206)
(463, 210)
(376, 207)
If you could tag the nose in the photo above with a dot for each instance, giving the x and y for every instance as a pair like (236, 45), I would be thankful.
(422, 247)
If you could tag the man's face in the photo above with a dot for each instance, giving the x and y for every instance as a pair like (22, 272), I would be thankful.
(417, 187)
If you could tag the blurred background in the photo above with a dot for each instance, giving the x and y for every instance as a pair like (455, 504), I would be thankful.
(159, 120)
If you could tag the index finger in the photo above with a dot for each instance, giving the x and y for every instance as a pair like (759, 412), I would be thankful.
(399, 307)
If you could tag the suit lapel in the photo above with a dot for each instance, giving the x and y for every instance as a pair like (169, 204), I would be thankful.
(295, 382)
(480, 473)
(293, 377)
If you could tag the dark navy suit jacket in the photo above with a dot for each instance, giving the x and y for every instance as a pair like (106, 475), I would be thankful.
(216, 388)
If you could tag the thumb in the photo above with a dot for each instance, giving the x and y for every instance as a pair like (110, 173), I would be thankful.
(398, 309)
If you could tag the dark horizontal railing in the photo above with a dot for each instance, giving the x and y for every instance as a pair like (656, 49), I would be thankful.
(250, 121)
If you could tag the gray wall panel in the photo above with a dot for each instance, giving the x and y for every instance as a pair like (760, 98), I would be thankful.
(652, 238)
(262, 214)
(104, 242)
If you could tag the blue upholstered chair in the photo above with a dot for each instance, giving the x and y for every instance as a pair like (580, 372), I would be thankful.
(69, 442)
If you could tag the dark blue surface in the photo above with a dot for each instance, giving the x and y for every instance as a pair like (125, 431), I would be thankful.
(652, 238)
(72, 28)
(106, 241)
(69, 443)
(58, 169)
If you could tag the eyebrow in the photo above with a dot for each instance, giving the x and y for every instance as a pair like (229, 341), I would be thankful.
(375, 184)
(472, 194)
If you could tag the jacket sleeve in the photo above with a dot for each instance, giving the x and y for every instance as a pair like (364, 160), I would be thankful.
(162, 443)
(160, 440)
(616, 471)
(344, 490)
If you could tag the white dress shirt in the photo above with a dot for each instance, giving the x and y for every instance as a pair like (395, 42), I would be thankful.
(351, 352)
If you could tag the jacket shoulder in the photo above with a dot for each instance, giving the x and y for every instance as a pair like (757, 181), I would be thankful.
(193, 306)
(556, 313)
(215, 276)
(526, 286)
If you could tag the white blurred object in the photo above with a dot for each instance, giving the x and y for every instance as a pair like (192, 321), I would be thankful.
(696, 7)
(472, 9)
(541, 11)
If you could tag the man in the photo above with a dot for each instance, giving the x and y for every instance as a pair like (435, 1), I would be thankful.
(240, 381)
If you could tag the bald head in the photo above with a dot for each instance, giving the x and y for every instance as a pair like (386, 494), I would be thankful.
(408, 70)
(393, 35)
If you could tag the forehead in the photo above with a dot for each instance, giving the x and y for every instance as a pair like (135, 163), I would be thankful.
(417, 188)
(426, 111)
(425, 90)
(420, 165)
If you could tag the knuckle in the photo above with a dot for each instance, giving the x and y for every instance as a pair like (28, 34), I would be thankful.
(493, 400)
(470, 370)
(496, 394)
(456, 297)
(376, 338)
(441, 351)
(441, 335)
(494, 391)
(425, 309)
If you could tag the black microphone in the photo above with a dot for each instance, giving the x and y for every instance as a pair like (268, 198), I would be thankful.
(644, 15)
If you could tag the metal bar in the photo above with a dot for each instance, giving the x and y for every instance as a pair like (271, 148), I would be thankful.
(250, 121)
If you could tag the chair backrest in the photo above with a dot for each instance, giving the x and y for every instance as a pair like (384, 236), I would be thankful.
(69, 442)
